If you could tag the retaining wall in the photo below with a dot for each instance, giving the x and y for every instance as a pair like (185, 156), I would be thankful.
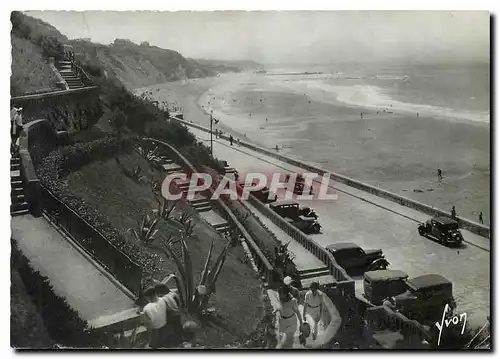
(472, 226)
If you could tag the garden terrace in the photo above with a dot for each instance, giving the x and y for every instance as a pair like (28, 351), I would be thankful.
(102, 186)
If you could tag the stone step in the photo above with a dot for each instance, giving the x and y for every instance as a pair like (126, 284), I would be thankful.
(20, 212)
(15, 166)
(203, 208)
(15, 175)
(315, 274)
(312, 270)
(18, 198)
(322, 280)
(14, 207)
(170, 169)
(15, 160)
(16, 184)
(14, 191)
(194, 202)
(229, 170)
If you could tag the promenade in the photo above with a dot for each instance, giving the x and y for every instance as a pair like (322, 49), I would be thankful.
(373, 222)
(73, 277)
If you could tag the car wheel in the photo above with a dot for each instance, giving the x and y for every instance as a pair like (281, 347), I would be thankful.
(421, 232)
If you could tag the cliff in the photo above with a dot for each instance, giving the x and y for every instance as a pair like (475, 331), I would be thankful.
(134, 65)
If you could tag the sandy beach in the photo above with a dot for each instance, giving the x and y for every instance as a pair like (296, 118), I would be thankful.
(392, 149)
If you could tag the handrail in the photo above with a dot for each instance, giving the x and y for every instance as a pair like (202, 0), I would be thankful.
(52, 94)
(474, 227)
(132, 278)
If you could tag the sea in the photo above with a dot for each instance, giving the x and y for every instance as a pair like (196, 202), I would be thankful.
(392, 126)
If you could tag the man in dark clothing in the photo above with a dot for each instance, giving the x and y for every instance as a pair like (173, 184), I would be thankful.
(453, 212)
(440, 174)
(231, 140)
(481, 218)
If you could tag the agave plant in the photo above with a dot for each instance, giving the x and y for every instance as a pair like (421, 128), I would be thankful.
(195, 297)
(187, 224)
(147, 229)
(164, 211)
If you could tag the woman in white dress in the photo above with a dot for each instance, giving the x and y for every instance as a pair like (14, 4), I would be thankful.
(313, 305)
(289, 315)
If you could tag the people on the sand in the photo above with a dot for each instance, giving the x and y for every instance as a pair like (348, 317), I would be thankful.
(440, 174)
(453, 212)
(154, 317)
(313, 305)
(481, 218)
(289, 315)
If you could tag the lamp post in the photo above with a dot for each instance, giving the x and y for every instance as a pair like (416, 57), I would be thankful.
(211, 135)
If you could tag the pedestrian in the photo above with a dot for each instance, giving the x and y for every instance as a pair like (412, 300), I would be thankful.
(154, 317)
(277, 149)
(453, 212)
(173, 329)
(440, 174)
(481, 218)
(287, 281)
(16, 123)
(417, 114)
(231, 140)
(313, 305)
(289, 315)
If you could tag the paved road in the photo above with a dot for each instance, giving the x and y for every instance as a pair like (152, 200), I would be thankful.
(373, 222)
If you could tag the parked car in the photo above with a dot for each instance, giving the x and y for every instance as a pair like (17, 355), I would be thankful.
(351, 256)
(263, 195)
(381, 284)
(292, 212)
(425, 298)
(443, 230)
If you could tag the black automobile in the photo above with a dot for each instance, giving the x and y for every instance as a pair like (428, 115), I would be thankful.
(351, 256)
(443, 230)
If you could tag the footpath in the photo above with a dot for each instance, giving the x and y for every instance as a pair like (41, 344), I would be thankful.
(85, 286)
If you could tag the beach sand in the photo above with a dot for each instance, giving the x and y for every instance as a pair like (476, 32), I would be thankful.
(394, 151)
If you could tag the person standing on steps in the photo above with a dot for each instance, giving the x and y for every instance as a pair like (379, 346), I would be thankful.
(453, 212)
(313, 305)
(481, 218)
(289, 315)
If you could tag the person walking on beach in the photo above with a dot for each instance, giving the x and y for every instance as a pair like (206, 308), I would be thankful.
(481, 218)
(453, 212)
(289, 315)
(231, 140)
(440, 174)
(313, 305)
(154, 316)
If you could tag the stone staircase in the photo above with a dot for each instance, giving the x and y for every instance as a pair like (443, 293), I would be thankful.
(19, 206)
(67, 73)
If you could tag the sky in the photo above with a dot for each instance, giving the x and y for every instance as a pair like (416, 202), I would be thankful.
(291, 36)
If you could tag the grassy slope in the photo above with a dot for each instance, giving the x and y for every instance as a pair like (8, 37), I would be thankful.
(27, 329)
(30, 73)
(124, 202)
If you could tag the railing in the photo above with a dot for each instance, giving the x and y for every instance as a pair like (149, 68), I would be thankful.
(78, 71)
(472, 226)
(261, 262)
(93, 242)
(26, 98)
(319, 252)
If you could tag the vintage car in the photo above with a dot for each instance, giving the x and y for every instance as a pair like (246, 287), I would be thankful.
(443, 230)
(292, 213)
(382, 284)
(290, 209)
(263, 195)
(425, 298)
(351, 256)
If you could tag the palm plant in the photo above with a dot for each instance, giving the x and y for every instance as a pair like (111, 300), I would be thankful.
(146, 231)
